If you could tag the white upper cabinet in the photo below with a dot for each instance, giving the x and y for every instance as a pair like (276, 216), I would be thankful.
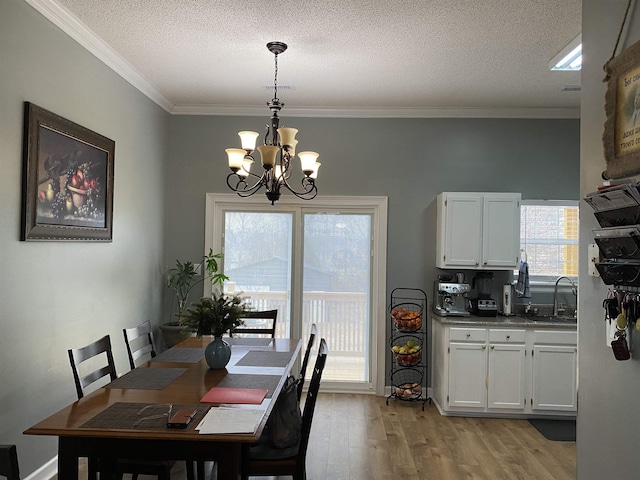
(479, 231)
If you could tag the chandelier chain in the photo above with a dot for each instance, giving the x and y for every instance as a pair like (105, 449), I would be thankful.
(275, 78)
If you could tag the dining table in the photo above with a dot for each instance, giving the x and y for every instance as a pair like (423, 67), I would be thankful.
(127, 418)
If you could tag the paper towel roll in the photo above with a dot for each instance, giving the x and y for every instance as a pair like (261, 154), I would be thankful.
(506, 299)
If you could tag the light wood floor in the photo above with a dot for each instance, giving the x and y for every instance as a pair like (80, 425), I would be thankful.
(356, 437)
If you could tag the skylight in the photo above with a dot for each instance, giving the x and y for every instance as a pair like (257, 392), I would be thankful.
(569, 58)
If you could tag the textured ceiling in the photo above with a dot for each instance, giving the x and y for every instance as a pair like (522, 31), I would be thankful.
(356, 56)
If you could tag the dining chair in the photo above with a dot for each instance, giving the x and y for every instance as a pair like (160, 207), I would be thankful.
(77, 356)
(139, 342)
(305, 359)
(259, 323)
(9, 462)
(94, 349)
(261, 459)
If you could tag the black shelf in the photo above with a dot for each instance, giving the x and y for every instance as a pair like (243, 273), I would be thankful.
(617, 210)
(408, 345)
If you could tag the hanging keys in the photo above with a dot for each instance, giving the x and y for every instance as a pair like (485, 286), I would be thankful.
(620, 347)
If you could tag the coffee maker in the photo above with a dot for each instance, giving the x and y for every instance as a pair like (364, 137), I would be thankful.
(483, 305)
(450, 298)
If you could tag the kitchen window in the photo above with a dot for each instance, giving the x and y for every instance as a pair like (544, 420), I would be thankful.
(549, 239)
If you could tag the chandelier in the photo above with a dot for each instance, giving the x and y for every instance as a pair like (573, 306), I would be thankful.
(275, 155)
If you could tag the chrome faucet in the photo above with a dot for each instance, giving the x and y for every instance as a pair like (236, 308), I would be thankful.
(574, 290)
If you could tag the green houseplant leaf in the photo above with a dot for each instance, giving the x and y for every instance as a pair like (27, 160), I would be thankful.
(216, 315)
(182, 278)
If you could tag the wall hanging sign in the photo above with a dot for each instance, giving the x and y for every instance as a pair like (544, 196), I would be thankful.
(67, 180)
(622, 106)
(621, 137)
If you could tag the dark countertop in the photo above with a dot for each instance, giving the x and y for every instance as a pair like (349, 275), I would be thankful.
(505, 322)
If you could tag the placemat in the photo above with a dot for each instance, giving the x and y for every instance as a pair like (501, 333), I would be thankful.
(180, 355)
(253, 342)
(147, 378)
(231, 380)
(123, 416)
(259, 358)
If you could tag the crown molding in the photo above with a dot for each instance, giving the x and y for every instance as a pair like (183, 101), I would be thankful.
(72, 26)
(323, 112)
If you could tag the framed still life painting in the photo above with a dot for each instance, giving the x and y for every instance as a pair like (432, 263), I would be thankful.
(67, 180)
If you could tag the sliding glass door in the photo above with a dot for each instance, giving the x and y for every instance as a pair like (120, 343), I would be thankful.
(314, 264)
(336, 289)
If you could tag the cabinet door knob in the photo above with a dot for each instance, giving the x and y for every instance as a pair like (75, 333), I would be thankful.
(468, 335)
(508, 337)
(492, 347)
(484, 347)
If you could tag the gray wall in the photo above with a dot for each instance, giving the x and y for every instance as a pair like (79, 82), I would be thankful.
(60, 295)
(608, 425)
(408, 160)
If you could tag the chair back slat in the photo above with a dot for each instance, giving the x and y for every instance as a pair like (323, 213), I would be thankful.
(310, 403)
(79, 355)
(270, 329)
(9, 462)
(305, 360)
(139, 342)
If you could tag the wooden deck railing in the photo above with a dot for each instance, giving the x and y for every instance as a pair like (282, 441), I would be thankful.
(341, 318)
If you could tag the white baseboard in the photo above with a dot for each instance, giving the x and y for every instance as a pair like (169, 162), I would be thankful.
(46, 471)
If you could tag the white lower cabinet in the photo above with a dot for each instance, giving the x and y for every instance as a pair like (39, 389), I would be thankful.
(467, 375)
(506, 380)
(555, 358)
(504, 371)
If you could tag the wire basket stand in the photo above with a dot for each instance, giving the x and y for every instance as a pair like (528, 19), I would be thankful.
(408, 345)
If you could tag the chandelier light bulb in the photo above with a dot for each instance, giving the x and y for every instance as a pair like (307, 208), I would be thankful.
(236, 157)
(246, 168)
(278, 172)
(248, 140)
(292, 150)
(268, 155)
(308, 161)
(314, 175)
(287, 136)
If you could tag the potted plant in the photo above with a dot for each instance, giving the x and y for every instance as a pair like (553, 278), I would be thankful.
(216, 315)
(181, 279)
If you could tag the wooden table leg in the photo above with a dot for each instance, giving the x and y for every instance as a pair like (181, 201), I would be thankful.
(67, 459)
(229, 468)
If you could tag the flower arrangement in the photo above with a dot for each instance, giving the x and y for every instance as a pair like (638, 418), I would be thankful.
(216, 315)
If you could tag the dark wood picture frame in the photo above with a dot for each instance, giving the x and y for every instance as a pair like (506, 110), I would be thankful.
(621, 137)
(67, 180)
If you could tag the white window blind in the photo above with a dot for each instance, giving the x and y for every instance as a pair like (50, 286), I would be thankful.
(549, 238)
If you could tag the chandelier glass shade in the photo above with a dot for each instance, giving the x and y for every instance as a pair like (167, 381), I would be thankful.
(276, 155)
